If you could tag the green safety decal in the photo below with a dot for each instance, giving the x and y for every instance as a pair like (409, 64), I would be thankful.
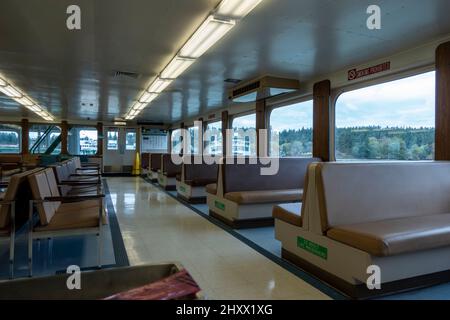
(182, 189)
(312, 247)
(219, 205)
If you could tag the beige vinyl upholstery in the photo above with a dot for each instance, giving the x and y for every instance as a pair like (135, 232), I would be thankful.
(268, 196)
(211, 188)
(396, 236)
(289, 212)
(385, 209)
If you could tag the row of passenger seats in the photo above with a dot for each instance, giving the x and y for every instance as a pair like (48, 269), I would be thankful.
(67, 201)
(236, 190)
(394, 217)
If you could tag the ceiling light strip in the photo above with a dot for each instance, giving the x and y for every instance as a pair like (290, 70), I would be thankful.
(214, 28)
(9, 90)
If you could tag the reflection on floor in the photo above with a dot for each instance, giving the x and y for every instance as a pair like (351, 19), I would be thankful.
(54, 256)
(157, 228)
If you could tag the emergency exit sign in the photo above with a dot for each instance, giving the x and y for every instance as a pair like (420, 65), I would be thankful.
(357, 74)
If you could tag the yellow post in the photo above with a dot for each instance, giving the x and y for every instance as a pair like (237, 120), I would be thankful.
(137, 165)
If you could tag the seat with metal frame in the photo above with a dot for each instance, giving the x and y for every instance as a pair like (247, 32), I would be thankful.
(62, 216)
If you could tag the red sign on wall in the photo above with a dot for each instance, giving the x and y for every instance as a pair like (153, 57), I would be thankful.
(357, 74)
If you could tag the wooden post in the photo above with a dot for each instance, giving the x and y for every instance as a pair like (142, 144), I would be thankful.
(100, 139)
(321, 129)
(25, 137)
(442, 145)
(64, 137)
(225, 124)
(261, 124)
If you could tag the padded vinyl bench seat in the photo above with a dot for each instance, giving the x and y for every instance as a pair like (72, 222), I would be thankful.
(289, 213)
(211, 188)
(396, 236)
(265, 196)
(68, 220)
(4, 232)
(199, 182)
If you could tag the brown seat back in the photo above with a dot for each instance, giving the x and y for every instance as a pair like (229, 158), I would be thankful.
(200, 172)
(155, 161)
(247, 177)
(169, 168)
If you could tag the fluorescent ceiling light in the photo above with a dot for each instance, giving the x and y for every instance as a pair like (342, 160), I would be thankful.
(211, 31)
(148, 97)
(176, 67)
(236, 8)
(2, 82)
(11, 92)
(24, 101)
(159, 85)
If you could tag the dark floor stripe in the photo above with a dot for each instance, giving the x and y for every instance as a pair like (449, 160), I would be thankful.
(120, 253)
(308, 278)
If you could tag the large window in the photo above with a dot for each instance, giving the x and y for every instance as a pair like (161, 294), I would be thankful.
(176, 141)
(112, 139)
(10, 138)
(44, 139)
(82, 141)
(213, 138)
(291, 130)
(130, 137)
(244, 135)
(194, 135)
(390, 121)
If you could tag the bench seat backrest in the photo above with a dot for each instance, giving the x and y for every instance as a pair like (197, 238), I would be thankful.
(199, 172)
(11, 194)
(155, 161)
(43, 187)
(247, 177)
(368, 192)
(168, 167)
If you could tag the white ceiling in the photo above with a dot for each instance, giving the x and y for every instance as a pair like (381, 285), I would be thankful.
(302, 39)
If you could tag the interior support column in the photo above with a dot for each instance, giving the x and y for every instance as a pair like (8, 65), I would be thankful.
(100, 139)
(64, 137)
(443, 102)
(322, 111)
(261, 124)
(225, 124)
(25, 137)
(201, 132)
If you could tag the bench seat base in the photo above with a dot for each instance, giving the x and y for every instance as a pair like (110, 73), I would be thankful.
(243, 224)
(167, 183)
(361, 291)
(191, 194)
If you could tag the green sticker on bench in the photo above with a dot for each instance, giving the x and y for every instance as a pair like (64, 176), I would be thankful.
(314, 248)
(182, 189)
(219, 205)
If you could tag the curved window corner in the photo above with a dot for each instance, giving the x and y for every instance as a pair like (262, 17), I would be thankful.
(244, 135)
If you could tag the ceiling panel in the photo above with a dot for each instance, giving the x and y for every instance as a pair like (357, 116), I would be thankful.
(71, 72)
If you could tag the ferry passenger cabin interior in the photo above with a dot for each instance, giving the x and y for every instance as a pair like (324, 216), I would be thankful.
(227, 149)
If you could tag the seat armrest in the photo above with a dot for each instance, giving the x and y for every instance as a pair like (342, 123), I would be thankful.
(74, 198)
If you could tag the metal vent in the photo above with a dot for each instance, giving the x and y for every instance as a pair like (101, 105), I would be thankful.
(233, 81)
(251, 87)
(126, 74)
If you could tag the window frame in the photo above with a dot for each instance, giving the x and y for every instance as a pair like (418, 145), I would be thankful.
(206, 124)
(135, 131)
(282, 104)
(42, 124)
(19, 125)
(86, 127)
(241, 115)
(337, 92)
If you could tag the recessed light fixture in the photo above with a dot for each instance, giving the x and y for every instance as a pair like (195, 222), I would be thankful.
(214, 28)
(211, 31)
(237, 9)
(176, 67)
(9, 90)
